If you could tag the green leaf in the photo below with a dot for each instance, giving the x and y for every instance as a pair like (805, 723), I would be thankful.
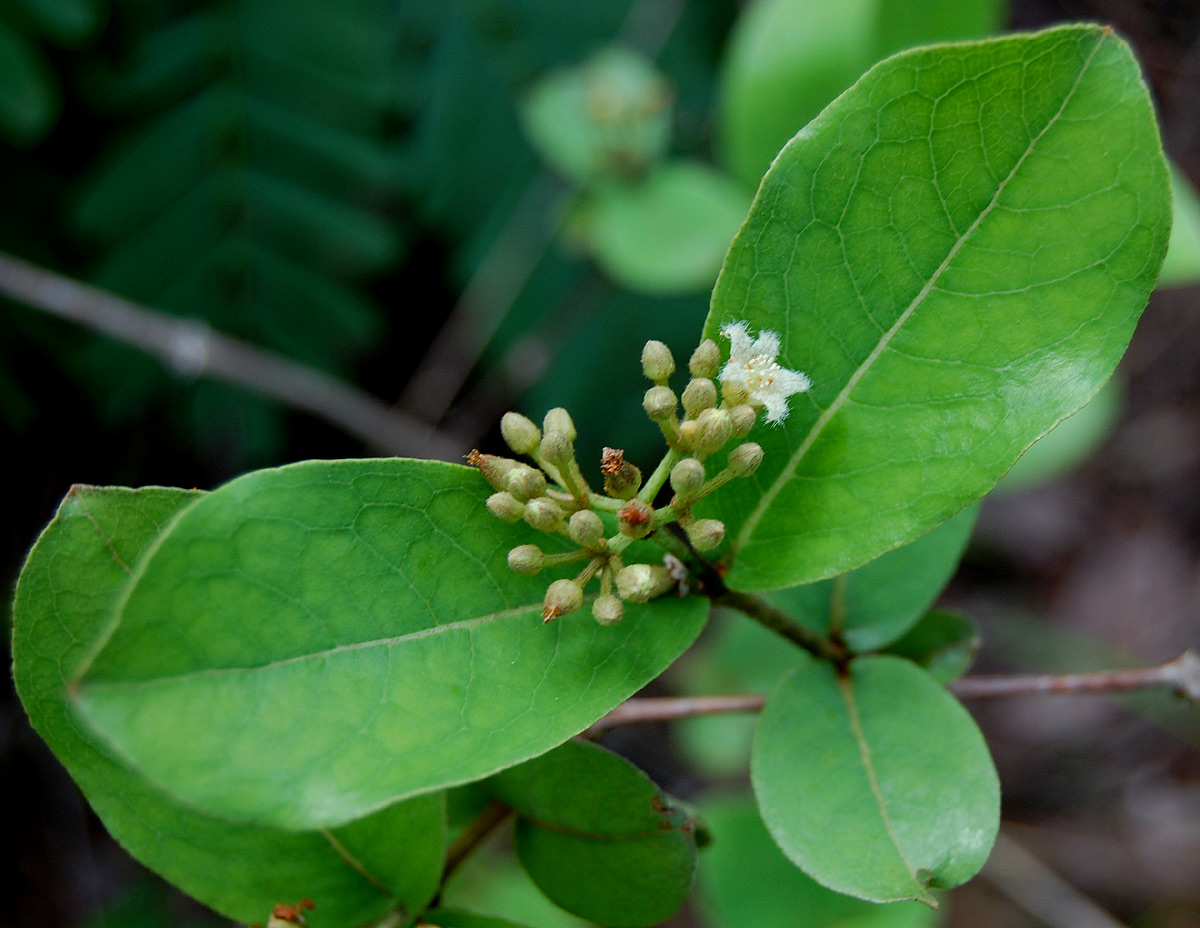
(1070, 443)
(943, 642)
(65, 21)
(1182, 264)
(449, 918)
(65, 598)
(30, 98)
(876, 783)
(743, 860)
(667, 233)
(598, 837)
(368, 604)
(956, 252)
(788, 58)
(609, 117)
(881, 600)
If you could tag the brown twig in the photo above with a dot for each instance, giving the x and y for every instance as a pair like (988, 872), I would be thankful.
(191, 349)
(1181, 675)
(495, 814)
(777, 620)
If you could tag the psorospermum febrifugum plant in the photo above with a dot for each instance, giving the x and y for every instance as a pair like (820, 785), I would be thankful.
(268, 691)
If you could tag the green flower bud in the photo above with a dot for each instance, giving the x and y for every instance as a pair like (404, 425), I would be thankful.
(526, 559)
(706, 534)
(659, 403)
(640, 583)
(563, 597)
(608, 610)
(586, 529)
(559, 420)
(543, 514)
(557, 448)
(635, 519)
(658, 364)
(742, 418)
(706, 359)
(700, 394)
(734, 392)
(744, 459)
(505, 507)
(622, 480)
(520, 433)
(526, 483)
(713, 430)
(687, 477)
(495, 469)
(688, 431)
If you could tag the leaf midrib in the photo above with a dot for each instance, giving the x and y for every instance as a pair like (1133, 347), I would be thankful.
(885, 340)
(475, 622)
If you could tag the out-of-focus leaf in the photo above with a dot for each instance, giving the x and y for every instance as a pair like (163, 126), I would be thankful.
(30, 99)
(1182, 264)
(608, 118)
(65, 21)
(943, 642)
(667, 233)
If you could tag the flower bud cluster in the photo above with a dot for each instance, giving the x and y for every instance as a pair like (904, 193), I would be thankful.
(719, 405)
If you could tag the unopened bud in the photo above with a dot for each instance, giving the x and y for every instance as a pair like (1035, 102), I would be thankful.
(563, 597)
(557, 448)
(640, 583)
(734, 392)
(505, 507)
(635, 519)
(713, 429)
(658, 364)
(495, 469)
(687, 477)
(526, 483)
(688, 431)
(744, 459)
(526, 559)
(608, 610)
(706, 534)
(706, 359)
(700, 394)
(520, 433)
(659, 403)
(742, 419)
(622, 480)
(559, 420)
(586, 529)
(543, 514)
(289, 916)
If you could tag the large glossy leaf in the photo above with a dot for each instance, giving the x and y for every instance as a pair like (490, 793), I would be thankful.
(598, 837)
(65, 599)
(875, 782)
(743, 860)
(942, 642)
(337, 635)
(788, 58)
(956, 252)
(881, 600)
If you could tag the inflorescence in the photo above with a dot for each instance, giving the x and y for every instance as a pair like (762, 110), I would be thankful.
(719, 404)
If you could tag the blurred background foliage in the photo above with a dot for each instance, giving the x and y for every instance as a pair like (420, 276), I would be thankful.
(474, 205)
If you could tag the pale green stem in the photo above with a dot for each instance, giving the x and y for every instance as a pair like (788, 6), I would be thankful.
(659, 477)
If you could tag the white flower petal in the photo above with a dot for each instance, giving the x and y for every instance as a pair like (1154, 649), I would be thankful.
(753, 368)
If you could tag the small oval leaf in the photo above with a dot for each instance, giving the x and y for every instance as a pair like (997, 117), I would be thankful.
(875, 782)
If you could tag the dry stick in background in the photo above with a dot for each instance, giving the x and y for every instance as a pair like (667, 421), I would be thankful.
(191, 349)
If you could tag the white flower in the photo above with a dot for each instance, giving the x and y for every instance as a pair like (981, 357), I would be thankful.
(752, 368)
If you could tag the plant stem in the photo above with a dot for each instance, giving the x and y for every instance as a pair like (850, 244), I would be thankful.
(778, 621)
(477, 831)
(656, 480)
(191, 349)
(1181, 675)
